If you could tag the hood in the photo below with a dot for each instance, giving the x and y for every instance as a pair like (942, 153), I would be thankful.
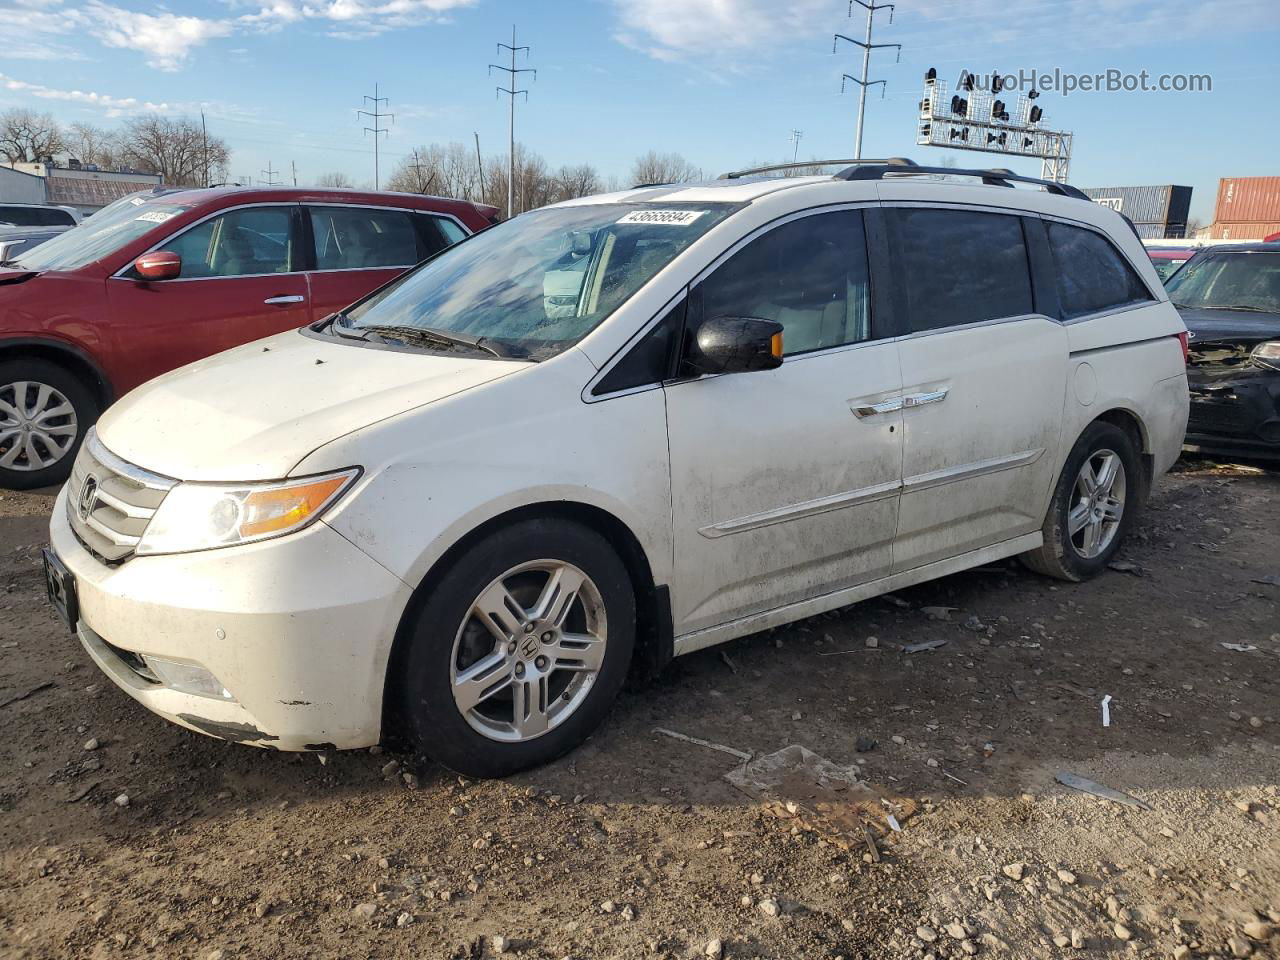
(12, 275)
(254, 412)
(1234, 325)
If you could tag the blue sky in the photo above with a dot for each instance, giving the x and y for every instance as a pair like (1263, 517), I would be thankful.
(722, 82)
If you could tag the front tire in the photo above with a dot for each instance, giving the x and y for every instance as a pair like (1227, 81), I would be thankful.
(1095, 502)
(520, 649)
(45, 411)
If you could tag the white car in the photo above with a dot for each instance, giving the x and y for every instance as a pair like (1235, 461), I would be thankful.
(456, 514)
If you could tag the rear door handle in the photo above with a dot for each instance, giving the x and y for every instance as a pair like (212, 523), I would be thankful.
(920, 399)
(892, 405)
(281, 301)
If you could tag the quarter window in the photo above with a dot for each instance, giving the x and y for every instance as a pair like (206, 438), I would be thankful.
(959, 266)
(240, 243)
(357, 238)
(1092, 275)
(810, 275)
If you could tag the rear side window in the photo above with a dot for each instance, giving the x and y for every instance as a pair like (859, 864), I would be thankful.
(959, 266)
(1092, 274)
(359, 238)
(36, 217)
(451, 232)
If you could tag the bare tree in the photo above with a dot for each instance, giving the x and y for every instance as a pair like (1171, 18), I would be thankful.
(175, 148)
(335, 178)
(27, 136)
(91, 144)
(577, 181)
(654, 167)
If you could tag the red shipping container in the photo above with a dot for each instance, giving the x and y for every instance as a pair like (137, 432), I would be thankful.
(1244, 232)
(1243, 199)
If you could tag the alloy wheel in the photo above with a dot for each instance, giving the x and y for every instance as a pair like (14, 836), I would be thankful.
(528, 651)
(1097, 503)
(38, 425)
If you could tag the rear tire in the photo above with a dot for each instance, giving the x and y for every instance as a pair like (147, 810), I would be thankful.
(1095, 502)
(45, 411)
(520, 649)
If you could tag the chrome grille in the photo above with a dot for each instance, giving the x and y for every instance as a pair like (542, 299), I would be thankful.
(110, 502)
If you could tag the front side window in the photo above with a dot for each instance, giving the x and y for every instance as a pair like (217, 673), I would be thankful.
(1092, 274)
(36, 217)
(240, 243)
(108, 230)
(810, 275)
(1236, 280)
(534, 285)
(959, 266)
(363, 238)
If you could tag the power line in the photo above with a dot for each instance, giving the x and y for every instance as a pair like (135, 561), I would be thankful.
(512, 77)
(376, 115)
(867, 46)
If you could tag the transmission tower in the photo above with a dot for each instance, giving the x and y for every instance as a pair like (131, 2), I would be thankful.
(867, 46)
(795, 138)
(376, 116)
(270, 174)
(512, 92)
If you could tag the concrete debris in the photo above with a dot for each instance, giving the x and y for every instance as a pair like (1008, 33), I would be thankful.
(1098, 790)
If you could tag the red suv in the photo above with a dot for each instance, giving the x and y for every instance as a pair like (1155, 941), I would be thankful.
(157, 280)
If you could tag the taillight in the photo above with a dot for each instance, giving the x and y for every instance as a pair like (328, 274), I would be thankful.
(1185, 339)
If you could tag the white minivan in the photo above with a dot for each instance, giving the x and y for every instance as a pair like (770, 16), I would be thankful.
(613, 431)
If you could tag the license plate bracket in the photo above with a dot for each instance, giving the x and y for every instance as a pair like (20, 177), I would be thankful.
(60, 586)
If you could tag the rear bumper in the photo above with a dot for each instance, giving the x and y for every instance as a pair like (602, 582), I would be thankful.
(296, 631)
(1235, 412)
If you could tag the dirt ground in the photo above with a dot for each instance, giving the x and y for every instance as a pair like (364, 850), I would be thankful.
(637, 846)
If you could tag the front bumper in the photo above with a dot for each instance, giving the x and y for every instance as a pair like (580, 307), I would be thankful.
(298, 630)
(1235, 411)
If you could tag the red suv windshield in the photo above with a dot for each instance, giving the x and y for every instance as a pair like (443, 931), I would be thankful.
(101, 234)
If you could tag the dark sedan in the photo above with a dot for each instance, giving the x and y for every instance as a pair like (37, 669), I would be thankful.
(1229, 298)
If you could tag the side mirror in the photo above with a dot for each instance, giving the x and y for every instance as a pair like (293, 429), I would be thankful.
(736, 345)
(160, 265)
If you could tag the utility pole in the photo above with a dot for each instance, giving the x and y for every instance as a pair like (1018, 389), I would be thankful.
(795, 138)
(293, 165)
(867, 46)
(512, 78)
(416, 167)
(479, 165)
(204, 135)
(376, 115)
(270, 174)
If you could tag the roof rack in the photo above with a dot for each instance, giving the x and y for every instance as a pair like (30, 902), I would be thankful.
(879, 169)
(995, 177)
(737, 174)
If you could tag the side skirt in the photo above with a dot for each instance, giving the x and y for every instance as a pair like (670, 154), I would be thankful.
(689, 642)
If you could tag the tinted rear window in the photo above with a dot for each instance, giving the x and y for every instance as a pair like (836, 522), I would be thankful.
(960, 266)
(1092, 274)
(36, 216)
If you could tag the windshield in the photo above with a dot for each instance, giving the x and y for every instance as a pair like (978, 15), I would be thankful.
(105, 232)
(1166, 267)
(535, 285)
(1240, 280)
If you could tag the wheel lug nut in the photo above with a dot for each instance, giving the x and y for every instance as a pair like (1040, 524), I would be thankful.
(528, 628)
(511, 647)
(548, 637)
(519, 669)
(540, 663)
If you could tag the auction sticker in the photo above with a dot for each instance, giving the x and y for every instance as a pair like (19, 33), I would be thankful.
(155, 216)
(670, 218)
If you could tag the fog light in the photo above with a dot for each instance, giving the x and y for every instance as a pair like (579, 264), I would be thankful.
(188, 678)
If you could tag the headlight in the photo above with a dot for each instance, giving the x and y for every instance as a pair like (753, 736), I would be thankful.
(1268, 354)
(201, 516)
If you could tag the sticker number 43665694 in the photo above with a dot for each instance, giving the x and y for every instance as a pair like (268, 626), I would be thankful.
(670, 218)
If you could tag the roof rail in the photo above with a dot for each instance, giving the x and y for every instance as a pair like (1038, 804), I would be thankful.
(801, 165)
(996, 177)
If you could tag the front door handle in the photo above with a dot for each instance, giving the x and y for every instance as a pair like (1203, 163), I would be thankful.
(281, 301)
(892, 405)
(920, 399)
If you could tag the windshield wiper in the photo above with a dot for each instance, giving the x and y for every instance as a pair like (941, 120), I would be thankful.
(431, 335)
(1236, 306)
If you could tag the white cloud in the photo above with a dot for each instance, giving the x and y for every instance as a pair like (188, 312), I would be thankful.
(679, 29)
(113, 106)
(354, 19)
(164, 38)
